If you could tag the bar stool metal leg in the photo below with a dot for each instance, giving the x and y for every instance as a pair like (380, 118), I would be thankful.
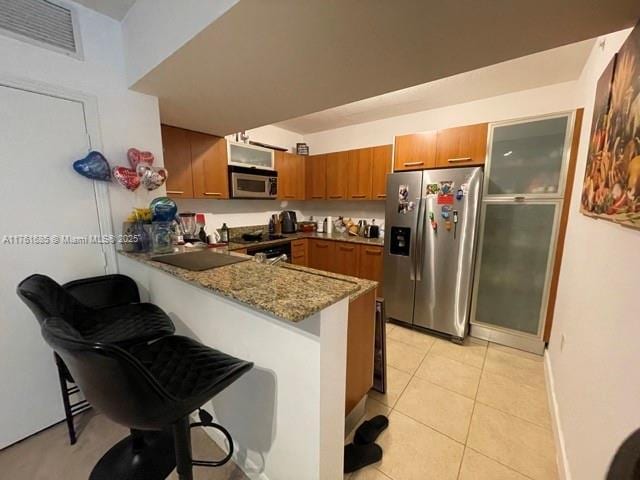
(64, 390)
(182, 439)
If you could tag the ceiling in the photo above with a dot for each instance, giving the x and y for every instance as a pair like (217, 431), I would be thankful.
(266, 62)
(558, 65)
(113, 8)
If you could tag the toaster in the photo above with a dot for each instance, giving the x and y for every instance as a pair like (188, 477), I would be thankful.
(372, 231)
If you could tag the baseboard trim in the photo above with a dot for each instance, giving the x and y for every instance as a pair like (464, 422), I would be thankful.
(561, 453)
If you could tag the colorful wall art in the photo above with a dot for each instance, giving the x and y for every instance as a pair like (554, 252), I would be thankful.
(611, 188)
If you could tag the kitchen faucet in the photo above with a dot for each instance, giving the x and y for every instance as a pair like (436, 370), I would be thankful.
(278, 259)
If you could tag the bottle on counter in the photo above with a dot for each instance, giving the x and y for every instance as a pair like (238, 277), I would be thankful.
(202, 235)
(320, 226)
(272, 226)
(224, 233)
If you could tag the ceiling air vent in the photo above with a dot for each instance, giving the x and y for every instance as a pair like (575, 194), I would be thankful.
(43, 22)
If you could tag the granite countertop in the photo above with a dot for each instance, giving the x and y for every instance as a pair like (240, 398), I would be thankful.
(336, 236)
(286, 291)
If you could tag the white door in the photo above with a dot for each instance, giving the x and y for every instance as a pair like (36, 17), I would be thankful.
(40, 194)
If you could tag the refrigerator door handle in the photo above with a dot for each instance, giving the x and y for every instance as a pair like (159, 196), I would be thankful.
(419, 246)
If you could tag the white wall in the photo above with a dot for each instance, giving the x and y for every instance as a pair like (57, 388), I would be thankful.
(127, 119)
(597, 384)
(154, 29)
(536, 101)
(238, 213)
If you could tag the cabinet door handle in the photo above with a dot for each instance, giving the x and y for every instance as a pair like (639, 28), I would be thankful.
(316, 197)
(289, 196)
(213, 194)
(335, 196)
(346, 249)
(358, 196)
(319, 245)
(381, 195)
(372, 252)
(412, 164)
(459, 160)
(174, 192)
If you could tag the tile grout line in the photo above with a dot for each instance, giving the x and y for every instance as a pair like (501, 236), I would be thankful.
(464, 452)
(516, 416)
(502, 464)
(431, 428)
(475, 399)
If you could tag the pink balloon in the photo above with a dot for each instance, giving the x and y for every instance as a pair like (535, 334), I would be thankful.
(127, 177)
(136, 157)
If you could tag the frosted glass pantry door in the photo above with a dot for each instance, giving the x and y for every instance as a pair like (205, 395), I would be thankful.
(515, 253)
(528, 158)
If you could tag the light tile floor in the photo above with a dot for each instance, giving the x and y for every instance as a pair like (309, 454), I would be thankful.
(48, 455)
(476, 411)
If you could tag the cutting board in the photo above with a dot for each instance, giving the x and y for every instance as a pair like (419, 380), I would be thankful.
(198, 261)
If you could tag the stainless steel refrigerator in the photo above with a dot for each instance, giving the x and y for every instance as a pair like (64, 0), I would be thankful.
(431, 225)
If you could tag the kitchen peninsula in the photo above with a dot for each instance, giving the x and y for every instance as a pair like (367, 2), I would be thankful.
(299, 327)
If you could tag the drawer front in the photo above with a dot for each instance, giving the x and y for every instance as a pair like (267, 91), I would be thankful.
(299, 252)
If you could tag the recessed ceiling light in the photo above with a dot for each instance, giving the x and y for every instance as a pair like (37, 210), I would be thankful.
(508, 153)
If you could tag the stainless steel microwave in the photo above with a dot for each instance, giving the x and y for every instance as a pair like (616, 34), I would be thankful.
(252, 182)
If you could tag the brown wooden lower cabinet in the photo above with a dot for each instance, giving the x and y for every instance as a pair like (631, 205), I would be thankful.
(371, 260)
(299, 252)
(360, 349)
(321, 254)
(346, 259)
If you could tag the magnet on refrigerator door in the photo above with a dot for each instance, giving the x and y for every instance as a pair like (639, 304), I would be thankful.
(432, 190)
(404, 205)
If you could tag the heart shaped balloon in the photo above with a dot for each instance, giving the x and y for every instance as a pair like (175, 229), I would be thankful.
(136, 157)
(142, 168)
(127, 177)
(93, 166)
(154, 177)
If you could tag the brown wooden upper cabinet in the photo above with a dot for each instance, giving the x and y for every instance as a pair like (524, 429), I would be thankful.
(337, 169)
(381, 167)
(462, 146)
(316, 181)
(209, 166)
(360, 172)
(177, 160)
(291, 176)
(415, 151)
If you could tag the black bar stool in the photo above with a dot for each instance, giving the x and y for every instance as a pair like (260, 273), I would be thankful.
(105, 308)
(149, 387)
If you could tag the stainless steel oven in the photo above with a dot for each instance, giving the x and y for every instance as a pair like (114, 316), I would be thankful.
(252, 182)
